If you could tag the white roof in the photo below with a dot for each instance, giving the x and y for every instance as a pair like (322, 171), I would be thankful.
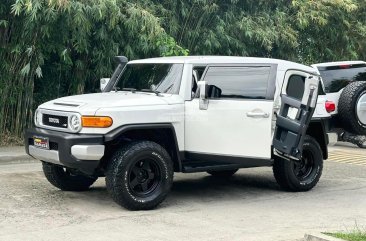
(282, 64)
(327, 64)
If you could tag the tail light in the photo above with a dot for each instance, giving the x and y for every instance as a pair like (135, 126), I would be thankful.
(330, 106)
(344, 66)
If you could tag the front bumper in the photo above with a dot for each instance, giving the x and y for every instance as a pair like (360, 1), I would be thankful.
(78, 151)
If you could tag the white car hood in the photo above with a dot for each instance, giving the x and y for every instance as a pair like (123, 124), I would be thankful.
(90, 103)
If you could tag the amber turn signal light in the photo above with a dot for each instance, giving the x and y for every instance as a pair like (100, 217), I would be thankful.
(96, 121)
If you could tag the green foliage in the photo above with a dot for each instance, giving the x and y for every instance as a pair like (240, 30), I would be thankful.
(53, 48)
(351, 236)
(299, 30)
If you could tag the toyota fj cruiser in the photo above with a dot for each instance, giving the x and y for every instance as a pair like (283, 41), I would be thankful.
(158, 116)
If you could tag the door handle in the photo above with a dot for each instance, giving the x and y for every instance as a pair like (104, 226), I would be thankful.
(257, 114)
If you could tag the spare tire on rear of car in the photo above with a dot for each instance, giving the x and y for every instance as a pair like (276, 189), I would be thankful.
(352, 108)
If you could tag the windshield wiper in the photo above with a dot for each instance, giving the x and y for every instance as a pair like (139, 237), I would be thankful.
(151, 91)
(115, 88)
(133, 90)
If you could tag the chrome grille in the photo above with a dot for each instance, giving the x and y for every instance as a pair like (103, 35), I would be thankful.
(55, 120)
(60, 120)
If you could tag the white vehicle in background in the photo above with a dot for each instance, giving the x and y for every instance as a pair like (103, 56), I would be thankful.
(345, 87)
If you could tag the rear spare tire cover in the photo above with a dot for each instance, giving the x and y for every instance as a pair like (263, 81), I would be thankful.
(352, 107)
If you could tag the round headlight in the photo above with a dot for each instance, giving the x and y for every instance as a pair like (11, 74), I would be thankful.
(37, 118)
(75, 123)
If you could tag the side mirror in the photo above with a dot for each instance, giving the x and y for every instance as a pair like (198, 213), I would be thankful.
(103, 83)
(203, 87)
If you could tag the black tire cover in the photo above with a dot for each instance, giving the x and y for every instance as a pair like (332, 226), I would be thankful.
(347, 107)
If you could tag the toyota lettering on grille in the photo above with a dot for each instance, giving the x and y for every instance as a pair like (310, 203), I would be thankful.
(54, 120)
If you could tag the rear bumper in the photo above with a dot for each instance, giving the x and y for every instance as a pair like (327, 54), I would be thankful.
(78, 151)
(333, 138)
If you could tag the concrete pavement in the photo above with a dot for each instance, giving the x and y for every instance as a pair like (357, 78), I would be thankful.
(249, 206)
(13, 154)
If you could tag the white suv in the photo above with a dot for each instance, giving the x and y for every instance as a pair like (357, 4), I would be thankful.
(345, 87)
(183, 114)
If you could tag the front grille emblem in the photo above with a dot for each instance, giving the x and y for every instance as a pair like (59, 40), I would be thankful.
(54, 120)
(58, 121)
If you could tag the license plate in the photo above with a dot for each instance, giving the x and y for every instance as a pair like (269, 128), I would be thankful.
(41, 142)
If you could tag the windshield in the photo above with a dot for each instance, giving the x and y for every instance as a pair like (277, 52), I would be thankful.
(164, 78)
(337, 77)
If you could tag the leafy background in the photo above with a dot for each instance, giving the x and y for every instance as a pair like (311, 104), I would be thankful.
(54, 48)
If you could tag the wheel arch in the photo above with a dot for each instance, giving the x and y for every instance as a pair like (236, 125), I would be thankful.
(317, 130)
(162, 133)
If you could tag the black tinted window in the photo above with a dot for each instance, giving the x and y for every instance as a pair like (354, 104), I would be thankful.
(338, 77)
(164, 78)
(237, 82)
(296, 86)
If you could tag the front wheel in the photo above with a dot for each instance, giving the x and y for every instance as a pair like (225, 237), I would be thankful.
(66, 179)
(303, 175)
(140, 175)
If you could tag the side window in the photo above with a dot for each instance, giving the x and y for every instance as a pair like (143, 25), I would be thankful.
(296, 86)
(237, 82)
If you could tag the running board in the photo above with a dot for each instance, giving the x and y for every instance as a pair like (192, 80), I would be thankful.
(204, 165)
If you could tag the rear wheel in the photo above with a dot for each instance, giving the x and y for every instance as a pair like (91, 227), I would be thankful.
(352, 107)
(66, 179)
(304, 174)
(140, 175)
(223, 174)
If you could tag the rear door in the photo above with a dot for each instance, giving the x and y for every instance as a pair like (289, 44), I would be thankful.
(299, 95)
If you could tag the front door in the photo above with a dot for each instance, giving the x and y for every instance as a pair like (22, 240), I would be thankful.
(237, 119)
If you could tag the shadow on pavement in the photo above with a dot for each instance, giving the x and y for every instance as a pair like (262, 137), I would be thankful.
(199, 189)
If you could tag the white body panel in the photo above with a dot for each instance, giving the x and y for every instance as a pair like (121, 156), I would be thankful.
(320, 111)
(173, 114)
(95, 101)
(335, 98)
(225, 129)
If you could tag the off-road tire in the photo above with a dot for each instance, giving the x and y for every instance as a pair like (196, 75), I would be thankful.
(120, 169)
(223, 174)
(284, 170)
(65, 180)
(347, 107)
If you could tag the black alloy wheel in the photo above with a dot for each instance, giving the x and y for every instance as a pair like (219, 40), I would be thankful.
(144, 177)
(302, 175)
(304, 167)
(139, 175)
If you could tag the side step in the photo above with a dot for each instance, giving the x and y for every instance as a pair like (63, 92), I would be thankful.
(199, 166)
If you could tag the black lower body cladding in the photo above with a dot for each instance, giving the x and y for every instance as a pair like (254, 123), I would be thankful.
(62, 142)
